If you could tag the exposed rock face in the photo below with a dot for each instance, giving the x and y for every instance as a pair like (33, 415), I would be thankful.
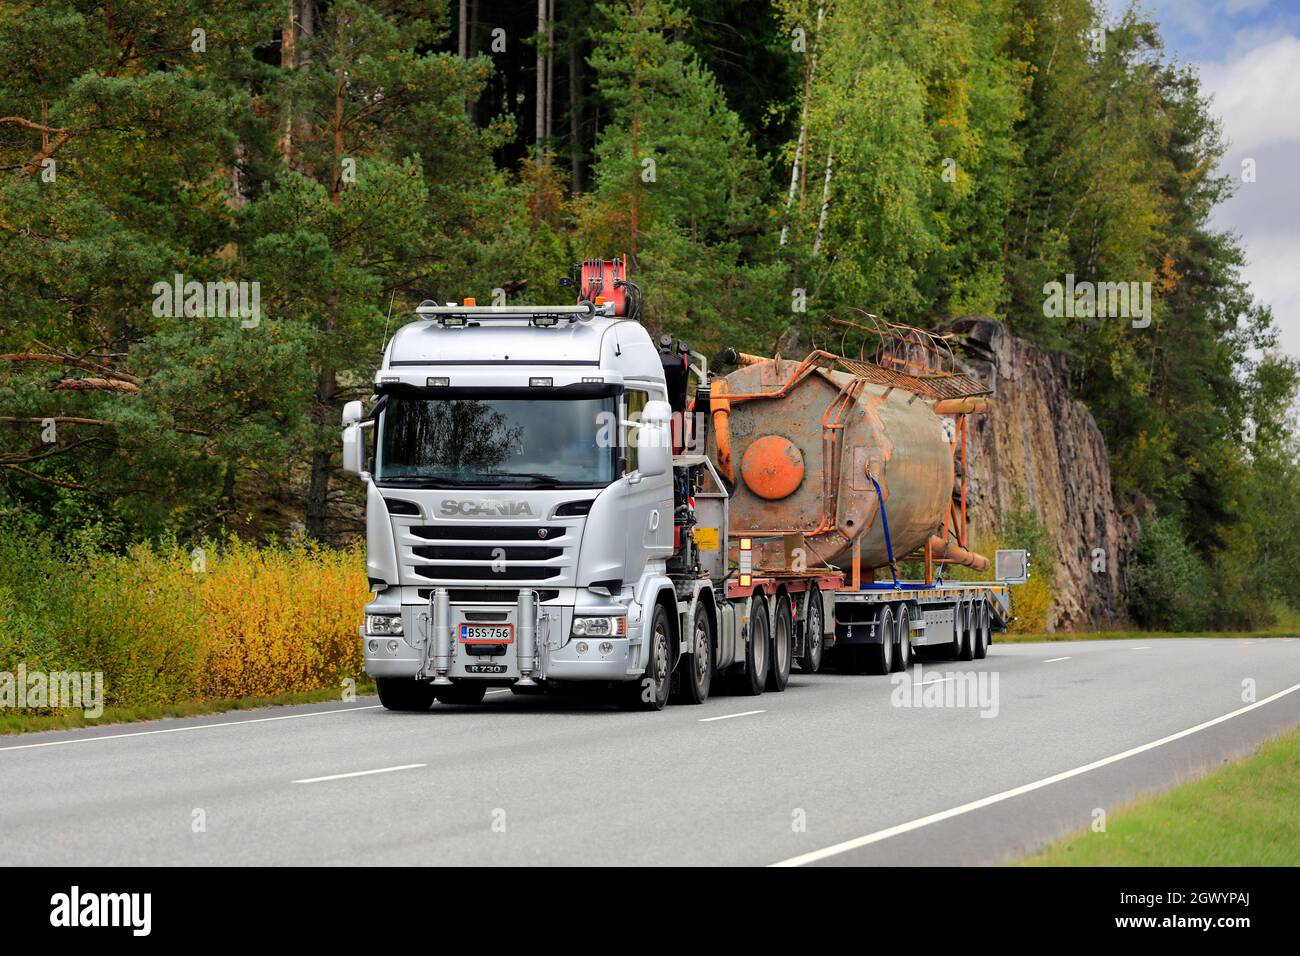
(1040, 443)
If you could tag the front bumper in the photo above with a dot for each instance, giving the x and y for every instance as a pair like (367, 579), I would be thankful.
(555, 654)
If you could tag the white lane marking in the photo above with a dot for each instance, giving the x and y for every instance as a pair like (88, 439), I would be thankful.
(1144, 647)
(181, 730)
(499, 690)
(942, 815)
(937, 680)
(747, 713)
(361, 773)
(1053, 660)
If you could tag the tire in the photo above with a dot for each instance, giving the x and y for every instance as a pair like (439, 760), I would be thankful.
(980, 634)
(966, 633)
(880, 657)
(694, 676)
(404, 693)
(461, 692)
(814, 641)
(754, 680)
(782, 654)
(651, 691)
(525, 691)
(903, 635)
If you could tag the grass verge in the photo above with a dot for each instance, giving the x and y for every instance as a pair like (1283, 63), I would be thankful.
(1134, 635)
(1243, 814)
(23, 723)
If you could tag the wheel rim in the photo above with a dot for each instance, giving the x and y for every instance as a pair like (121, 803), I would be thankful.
(781, 660)
(703, 651)
(887, 639)
(758, 641)
(813, 637)
(661, 658)
(904, 641)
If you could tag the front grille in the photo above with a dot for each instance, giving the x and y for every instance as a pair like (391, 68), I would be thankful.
(453, 532)
(482, 573)
(451, 552)
(487, 595)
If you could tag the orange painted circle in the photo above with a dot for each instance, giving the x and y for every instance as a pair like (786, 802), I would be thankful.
(772, 467)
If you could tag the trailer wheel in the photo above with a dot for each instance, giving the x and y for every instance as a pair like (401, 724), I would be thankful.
(778, 675)
(980, 633)
(694, 677)
(754, 680)
(903, 631)
(404, 693)
(651, 691)
(965, 642)
(880, 657)
(810, 661)
(463, 692)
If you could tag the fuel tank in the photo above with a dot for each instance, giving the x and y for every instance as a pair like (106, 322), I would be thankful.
(801, 446)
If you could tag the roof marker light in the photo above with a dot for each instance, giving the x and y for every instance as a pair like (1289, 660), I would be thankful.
(470, 302)
(540, 382)
(438, 382)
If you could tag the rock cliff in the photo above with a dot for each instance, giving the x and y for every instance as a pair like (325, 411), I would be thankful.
(1039, 445)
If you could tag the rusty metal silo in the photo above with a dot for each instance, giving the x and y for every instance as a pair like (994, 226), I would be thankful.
(801, 442)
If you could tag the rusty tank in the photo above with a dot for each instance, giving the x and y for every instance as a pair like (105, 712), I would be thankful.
(804, 444)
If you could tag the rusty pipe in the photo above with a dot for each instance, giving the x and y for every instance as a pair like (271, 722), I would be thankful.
(720, 409)
(976, 405)
(950, 553)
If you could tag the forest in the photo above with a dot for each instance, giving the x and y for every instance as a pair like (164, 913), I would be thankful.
(325, 165)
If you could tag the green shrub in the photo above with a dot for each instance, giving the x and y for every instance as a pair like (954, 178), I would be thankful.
(1169, 584)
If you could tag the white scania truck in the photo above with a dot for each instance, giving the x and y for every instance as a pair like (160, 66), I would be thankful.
(539, 514)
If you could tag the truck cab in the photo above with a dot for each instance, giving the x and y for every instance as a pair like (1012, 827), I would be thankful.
(517, 465)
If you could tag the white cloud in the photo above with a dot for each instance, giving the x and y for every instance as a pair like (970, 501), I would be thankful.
(1257, 95)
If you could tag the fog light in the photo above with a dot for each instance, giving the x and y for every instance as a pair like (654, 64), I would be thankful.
(606, 647)
(392, 647)
(373, 647)
(582, 647)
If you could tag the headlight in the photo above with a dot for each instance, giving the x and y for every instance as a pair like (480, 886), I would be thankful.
(383, 625)
(599, 626)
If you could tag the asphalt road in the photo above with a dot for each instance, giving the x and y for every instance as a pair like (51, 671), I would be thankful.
(833, 771)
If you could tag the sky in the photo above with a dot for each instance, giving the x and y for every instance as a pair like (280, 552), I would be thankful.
(1248, 55)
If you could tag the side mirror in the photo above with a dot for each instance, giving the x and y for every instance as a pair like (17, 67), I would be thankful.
(657, 413)
(654, 456)
(353, 412)
(353, 448)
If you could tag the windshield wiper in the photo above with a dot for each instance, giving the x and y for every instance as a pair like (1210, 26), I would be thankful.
(550, 481)
(432, 481)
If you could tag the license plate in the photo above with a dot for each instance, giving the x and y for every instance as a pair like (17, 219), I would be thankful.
(487, 633)
(485, 668)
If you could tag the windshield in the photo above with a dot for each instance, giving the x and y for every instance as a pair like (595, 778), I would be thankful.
(496, 442)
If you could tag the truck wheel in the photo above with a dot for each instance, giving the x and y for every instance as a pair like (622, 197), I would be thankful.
(461, 693)
(694, 677)
(980, 633)
(903, 629)
(810, 661)
(880, 657)
(404, 693)
(650, 692)
(778, 675)
(754, 680)
(966, 634)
